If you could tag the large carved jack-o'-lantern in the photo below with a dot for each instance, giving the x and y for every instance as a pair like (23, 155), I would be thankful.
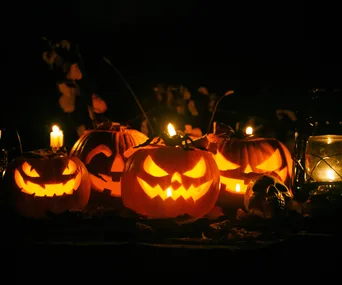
(40, 182)
(102, 152)
(166, 182)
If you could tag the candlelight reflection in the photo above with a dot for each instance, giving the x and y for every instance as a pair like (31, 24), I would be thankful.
(169, 192)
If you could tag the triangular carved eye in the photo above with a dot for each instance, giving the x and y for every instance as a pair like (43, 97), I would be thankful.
(273, 163)
(29, 170)
(198, 171)
(70, 169)
(223, 163)
(153, 169)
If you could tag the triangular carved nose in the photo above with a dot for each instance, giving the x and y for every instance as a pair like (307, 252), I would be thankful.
(248, 169)
(176, 177)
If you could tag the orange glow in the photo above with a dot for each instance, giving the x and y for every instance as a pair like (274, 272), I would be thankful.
(47, 190)
(199, 170)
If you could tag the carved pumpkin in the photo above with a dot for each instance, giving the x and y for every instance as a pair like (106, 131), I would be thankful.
(102, 150)
(37, 183)
(165, 182)
(242, 159)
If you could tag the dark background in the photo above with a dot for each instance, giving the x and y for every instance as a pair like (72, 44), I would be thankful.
(271, 56)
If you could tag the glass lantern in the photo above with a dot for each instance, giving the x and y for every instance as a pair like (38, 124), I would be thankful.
(317, 169)
(323, 163)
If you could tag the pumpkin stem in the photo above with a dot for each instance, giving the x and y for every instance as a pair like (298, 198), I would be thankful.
(186, 142)
(44, 153)
(131, 91)
(230, 92)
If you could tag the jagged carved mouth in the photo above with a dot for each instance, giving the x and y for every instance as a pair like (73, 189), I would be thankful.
(234, 185)
(47, 190)
(192, 192)
(106, 183)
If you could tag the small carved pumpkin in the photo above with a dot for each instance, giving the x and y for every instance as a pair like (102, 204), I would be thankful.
(242, 159)
(39, 182)
(102, 150)
(165, 182)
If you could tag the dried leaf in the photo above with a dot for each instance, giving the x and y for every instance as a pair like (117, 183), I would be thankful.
(204, 237)
(65, 44)
(221, 225)
(241, 214)
(215, 213)
(242, 234)
(143, 227)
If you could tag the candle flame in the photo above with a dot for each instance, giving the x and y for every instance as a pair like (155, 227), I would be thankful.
(171, 130)
(237, 188)
(249, 130)
(55, 129)
(329, 140)
(169, 192)
(330, 174)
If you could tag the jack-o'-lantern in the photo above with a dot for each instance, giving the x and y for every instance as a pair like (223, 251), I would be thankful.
(40, 182)
(102, 150)
(239, 160)
(242, 159)
(163, 181)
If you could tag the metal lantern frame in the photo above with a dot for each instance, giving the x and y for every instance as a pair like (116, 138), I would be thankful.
(323, 120)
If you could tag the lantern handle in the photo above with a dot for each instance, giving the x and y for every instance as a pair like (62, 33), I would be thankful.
(130, 90)
(229, 92)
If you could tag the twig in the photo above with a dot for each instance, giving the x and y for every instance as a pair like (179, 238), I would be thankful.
(130, 90)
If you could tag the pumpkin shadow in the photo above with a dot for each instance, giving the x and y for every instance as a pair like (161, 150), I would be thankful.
(104, 201)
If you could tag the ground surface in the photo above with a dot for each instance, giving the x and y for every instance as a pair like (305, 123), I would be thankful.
(108, 241)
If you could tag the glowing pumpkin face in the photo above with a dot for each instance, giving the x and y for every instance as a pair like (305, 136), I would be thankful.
(41, 184)
(165, 182)
(30, 181)
(240, 160)
(112, 165)
(102, 150)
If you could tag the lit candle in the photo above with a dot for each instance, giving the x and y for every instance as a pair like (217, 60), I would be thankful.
(330, 174)
(171, 130)
(249, 130)
(56, 138)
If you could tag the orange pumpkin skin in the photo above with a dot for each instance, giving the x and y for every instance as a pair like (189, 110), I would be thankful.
(101, 150)
(36, 185)
(167, 182)
(242, 159)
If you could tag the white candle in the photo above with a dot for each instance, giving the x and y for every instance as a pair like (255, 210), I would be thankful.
(56, 138)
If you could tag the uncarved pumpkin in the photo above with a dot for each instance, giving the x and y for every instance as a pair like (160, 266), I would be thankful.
(102, 150)
(166, 182)
(38, 182)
